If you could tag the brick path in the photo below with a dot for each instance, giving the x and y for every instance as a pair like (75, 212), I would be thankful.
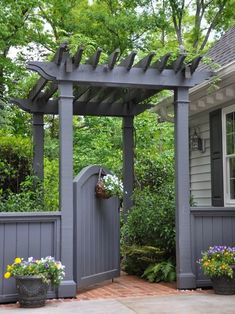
(123, 287)
(131, 286)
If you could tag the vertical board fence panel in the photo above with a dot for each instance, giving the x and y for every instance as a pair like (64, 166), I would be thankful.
(210, 226)
(25, 235)
(96, 236)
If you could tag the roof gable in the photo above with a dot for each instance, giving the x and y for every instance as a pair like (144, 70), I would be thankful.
(223, 52)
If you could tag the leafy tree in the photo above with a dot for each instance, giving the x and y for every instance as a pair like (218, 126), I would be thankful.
(187, 23)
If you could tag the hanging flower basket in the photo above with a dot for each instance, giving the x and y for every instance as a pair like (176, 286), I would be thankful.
(100, 191)
(108, 185)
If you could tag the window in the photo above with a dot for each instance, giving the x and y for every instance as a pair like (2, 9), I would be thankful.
(229, 154)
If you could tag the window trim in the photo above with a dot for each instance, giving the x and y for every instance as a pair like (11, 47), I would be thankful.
(227, 199)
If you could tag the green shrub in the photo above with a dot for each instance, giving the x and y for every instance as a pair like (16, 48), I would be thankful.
(15, 161)
(152, 220)
(137, 258)
(164, 271)
(51, 184)
(29, 199)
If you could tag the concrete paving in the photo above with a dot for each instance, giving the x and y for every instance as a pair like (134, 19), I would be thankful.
(177, 304)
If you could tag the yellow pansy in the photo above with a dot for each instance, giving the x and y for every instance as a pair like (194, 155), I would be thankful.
(7, 275)
(17, 260)
(58, 265)
(9, 267)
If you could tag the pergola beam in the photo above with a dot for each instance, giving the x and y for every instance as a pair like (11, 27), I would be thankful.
(83, 108)
(119, 77)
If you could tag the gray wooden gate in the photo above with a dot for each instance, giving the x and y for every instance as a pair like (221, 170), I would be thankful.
(96, 232)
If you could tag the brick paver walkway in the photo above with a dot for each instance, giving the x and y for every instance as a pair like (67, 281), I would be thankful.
(123, 287)
(130, 286)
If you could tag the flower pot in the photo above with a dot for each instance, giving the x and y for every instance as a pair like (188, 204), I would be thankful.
(223, 285)
(32, 291)
(100, 191)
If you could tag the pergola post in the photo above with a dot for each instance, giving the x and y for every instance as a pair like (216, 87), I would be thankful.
(38, 145)
(185, 276)
(68, 286)
(128, 162)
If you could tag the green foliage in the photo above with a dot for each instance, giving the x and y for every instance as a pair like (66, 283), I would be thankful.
(15, 161)
(98, 141)
(152, 220)
(164, 271)
(137, 258)
(28, 199)
(51, 184)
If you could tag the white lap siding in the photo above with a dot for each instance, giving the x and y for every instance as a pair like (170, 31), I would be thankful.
(200, 167)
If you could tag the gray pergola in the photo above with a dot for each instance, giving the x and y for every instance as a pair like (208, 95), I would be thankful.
(118, 90)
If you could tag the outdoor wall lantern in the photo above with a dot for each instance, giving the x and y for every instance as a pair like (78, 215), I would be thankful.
(196, 142)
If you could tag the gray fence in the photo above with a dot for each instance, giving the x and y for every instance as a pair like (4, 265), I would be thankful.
(210, 226)
(24, 235)
(95, 245)
(96, 232)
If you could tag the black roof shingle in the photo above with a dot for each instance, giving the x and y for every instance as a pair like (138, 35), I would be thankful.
(223, 52)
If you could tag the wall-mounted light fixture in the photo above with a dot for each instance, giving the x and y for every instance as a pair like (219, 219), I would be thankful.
(196, 142)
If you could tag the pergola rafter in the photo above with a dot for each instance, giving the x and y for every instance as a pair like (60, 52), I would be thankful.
(68, 86)
(96, 85)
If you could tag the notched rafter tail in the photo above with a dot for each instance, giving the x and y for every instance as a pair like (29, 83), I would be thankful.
(94, 60)
(161, 63)
(187, 72)
(78, 57)
(59, 53)
(145, 62)
(195, 63)
(128, 61)
(113, 58)
(178, 64)
(68, 62)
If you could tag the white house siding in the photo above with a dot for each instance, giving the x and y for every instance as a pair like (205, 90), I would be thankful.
(200, 167)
